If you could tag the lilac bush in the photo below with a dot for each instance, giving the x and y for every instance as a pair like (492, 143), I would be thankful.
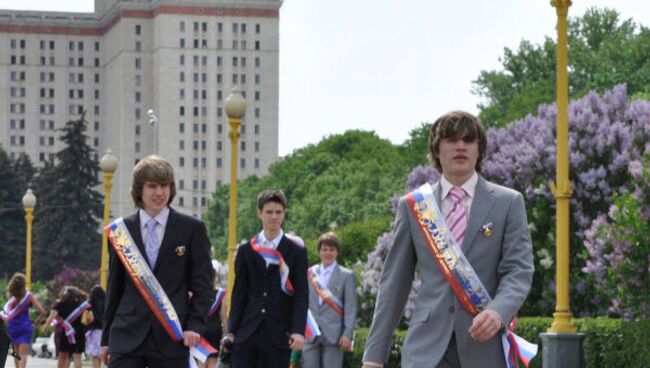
(619, 248)
(606, 134)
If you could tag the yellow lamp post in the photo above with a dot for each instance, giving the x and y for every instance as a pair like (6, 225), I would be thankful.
(108, 164)
(562, 345)
(235, 109)
(29, 202)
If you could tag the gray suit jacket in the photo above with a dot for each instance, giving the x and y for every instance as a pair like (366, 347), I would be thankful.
(503, 261)
(332, 325)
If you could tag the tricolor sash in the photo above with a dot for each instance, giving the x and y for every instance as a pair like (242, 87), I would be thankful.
(325, 293)
(148, 286)
(311, 328)
(455, 267)
(273, 256)
(67, 323)
(11, 309)
(218, 299)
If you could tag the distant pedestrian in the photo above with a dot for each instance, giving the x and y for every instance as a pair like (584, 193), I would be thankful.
(94, 334)
(71, 337)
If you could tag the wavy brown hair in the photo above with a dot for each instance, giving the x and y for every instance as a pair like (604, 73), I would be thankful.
(457, 125)
(152, 169)
(16, 286)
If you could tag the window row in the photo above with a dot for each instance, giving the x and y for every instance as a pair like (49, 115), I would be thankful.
(50, 45)
(204, 129)
(203, 145)
(203, 44)
(202, 162)
(203, 27)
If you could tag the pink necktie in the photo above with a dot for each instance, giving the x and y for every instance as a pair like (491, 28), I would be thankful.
(457, 218)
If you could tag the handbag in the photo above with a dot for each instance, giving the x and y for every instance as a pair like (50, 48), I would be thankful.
(87, 317)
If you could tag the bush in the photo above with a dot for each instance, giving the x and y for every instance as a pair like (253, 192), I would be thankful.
(608, 342)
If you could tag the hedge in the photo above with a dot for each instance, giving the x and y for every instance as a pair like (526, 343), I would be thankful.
(608, 342)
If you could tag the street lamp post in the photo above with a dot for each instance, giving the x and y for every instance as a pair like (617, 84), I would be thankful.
(562, 346)
(29, 202)
(153, 121)
(235, 108)
(108, 164)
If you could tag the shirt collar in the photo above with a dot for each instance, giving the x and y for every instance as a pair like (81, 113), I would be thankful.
(469, 186)
(327, 269)
(161, 217)
(275, 241)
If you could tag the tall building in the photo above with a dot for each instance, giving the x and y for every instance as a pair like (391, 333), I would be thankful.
(179, 58)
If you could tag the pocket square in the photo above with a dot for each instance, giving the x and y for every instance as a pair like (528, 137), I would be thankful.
(180, 250)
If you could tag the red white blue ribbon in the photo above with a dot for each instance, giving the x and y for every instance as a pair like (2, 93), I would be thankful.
(218, 299)
(324, 293)
(311, 328)
(200, 352)
(273, 256)
(148, 286)
(11, 310)
(67, 323)
(460, 274)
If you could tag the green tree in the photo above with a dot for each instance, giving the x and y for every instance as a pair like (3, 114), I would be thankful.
(14, 178)
(603, 51)
(66, 221)
(344, 178)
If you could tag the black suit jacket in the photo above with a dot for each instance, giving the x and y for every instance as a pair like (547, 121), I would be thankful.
(257, 297)
(128, 319)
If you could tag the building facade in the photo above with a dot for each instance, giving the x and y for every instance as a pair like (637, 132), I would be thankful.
(178, 58)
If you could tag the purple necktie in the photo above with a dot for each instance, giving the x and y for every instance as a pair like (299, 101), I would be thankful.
(457, 218)
(151, 243)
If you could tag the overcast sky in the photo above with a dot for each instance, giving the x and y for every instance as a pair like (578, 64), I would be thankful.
(387, 66)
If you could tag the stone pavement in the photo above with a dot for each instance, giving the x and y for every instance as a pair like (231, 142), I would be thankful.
(33, 362)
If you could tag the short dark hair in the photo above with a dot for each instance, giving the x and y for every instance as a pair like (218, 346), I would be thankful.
(271, 195)
(456, 124)
(154, 169)
(329, 238)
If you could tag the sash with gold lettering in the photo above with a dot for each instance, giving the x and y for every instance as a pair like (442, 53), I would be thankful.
(273, 256)
(459, 273)
(11, 309)
(324, 292)
(149, 288)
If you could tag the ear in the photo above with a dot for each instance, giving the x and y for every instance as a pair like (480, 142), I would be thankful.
(259, 214)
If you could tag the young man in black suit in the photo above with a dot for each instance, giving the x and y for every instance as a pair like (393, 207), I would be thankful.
(269, 301)
(177, 250)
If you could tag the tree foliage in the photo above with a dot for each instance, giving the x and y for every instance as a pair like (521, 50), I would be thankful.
(14, 178)
(66, 219)
(342, 179)
(603, 51)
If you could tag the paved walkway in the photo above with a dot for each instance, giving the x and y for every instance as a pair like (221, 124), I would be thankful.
(34, 362)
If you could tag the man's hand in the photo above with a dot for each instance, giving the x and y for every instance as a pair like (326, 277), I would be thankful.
(296, 341)
(104, 354)
(485, 325)
(345, 343)
(190, 338)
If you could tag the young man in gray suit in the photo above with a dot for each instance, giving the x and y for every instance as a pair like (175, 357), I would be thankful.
(333, 303)
(489, 224)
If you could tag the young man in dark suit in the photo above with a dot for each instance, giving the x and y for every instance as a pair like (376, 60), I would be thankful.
(177, 249)
(270, 297)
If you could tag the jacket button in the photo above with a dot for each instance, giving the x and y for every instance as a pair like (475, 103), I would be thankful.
(263, 311)
(451, 309)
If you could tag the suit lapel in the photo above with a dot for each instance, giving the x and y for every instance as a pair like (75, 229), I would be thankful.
(481, 206)
(167, 237)
(133, 224)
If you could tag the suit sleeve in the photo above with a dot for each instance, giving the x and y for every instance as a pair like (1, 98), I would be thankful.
(516, 267)
(301, 292)
(200, 280)
(238, 296)
(349, 305)
(115, 289)
(394, 287)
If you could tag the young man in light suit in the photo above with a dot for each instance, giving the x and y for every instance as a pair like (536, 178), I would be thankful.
(177, 250)
(494, 239)
(336, 314)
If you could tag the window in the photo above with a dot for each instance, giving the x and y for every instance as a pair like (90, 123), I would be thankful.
(235, 45)
(219, 78)
(257, 129)
(257, 45)
(257, 28)
(96, 46)
(243, 61)
(196, 26)
(96, 94)
(138, 63)
(257, 112)
(138, 96)
(242, 78)
(235, 61)
(204, 44)
(138, 80)
(219, 60)
(243, 28)
(219, 27)
(242, 163)
(181, 127)
(97, 78)
(257, 163)
(181, 184)
(71, 46)
(257, 95)
(235, 27)
(219, 163)
(97, 62)
(257, 62)
(219, 146)
(196, 43)
(181, 161)
(182, 43)
(80, 61)
(257, 79)
(242, 44)
(219, 44)
(138, 46)
(181, 77)
(181, 60)
(219, 128)
(138, 114)
(181, 110)
(181, 94)
(242, 145)
(181, 145)
(80, 46)
(257, 146)
(181, 26)
(138, 29)
(96, 109)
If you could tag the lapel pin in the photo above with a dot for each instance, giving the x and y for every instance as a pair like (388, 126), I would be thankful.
(487, 228)
(180, 250)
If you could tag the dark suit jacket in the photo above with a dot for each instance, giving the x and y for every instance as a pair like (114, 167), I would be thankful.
(4, 343)
(257, 297)
(128, 319)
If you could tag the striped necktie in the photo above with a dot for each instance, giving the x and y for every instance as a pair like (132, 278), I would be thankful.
(457, 218)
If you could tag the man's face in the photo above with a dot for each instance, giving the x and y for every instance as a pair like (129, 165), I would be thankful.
(271, 215)
(328, 254)
(155, 197)
(458, 158)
